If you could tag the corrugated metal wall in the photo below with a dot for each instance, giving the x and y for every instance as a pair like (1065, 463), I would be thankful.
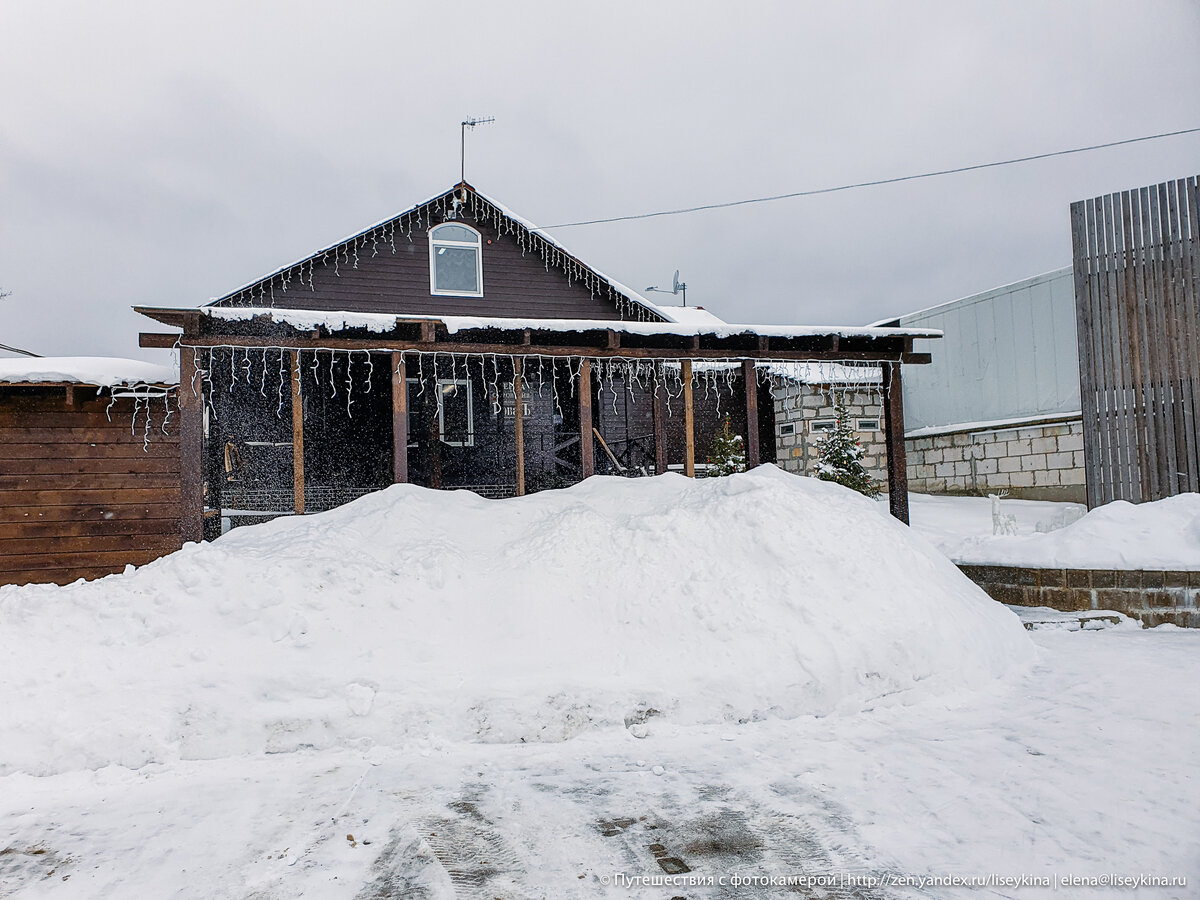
(1008, 353)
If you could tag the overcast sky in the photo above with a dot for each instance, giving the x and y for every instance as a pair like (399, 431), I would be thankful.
(165, 153)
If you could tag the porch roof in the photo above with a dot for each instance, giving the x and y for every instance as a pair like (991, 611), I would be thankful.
(302, 328)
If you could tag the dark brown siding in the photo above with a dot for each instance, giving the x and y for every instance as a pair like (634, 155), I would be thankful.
(79, 496)
(514, 283)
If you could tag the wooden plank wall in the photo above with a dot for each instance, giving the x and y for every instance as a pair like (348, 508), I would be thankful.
(1137, 297)
(79, 498)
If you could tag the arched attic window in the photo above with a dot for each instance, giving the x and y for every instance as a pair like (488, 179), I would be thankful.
(455, 261)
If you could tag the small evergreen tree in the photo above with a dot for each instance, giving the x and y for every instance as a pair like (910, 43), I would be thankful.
(727, 455)
(841, 457)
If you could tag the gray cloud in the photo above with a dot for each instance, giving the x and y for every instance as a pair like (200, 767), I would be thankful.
(163, 153)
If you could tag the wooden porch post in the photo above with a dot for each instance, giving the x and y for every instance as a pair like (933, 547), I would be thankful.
(750, 378)
(897, 466)
(659, 401)
(587, 457)
(297, 435)
(689, 429)
(399, 420)
(519, 424)
(191, 447)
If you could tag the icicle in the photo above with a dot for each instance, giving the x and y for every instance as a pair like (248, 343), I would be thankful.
(146, 427)
(554, 385)
(166, 412)
(421, 373)
(349, 382)
(370, 371)
(232, 368)
(262, 388)
(282, 380)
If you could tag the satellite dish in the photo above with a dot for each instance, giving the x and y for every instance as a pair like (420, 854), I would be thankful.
(675, 283)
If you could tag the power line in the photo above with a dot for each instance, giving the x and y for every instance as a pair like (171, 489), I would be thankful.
(863, 184)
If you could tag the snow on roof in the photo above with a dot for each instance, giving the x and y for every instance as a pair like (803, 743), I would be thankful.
(104, 371)
(306, 319)
(826, 372)
(690, 315)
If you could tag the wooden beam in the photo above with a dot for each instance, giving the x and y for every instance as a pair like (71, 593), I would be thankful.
(897, 466)
(157, 341)
(888, 354)
(297, 436)
(191, 449)
(689, 429)
(750, 380)
(587, 458)
(659, 401)
(519, 424)
(399, 420)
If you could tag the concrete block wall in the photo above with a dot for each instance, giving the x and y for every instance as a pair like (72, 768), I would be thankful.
(1154, 597)
(798, 406)
(1041, 461)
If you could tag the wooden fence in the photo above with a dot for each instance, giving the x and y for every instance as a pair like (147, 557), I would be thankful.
(1137, 298)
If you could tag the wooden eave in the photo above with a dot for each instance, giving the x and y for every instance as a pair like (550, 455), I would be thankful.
(429, 335)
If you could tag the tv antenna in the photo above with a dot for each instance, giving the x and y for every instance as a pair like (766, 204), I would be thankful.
(677, 287)
(469, 122)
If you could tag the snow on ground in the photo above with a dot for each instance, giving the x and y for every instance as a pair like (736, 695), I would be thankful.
(412, 612)
(1083, 766)
(1164, 534)
(99, 370)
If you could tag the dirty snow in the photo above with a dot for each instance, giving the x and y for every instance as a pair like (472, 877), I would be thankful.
(1079, 767)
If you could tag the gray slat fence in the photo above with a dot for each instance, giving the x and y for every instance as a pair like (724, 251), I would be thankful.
(1137, 302)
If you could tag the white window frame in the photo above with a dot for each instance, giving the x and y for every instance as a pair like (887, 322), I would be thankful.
(876, 426)
(435, 243)
(463, 384)
(787, 429)
(813, 423)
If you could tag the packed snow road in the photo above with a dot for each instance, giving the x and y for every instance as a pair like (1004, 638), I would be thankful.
(1081, 767)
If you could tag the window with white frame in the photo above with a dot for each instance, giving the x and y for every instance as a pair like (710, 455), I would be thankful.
(455, 260)
(817, 426)
(456, 414)
(868, 424)
(787, 428)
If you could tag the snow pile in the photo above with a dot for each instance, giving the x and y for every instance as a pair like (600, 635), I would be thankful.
(413, 613)
(1164, 534)
(105, 371)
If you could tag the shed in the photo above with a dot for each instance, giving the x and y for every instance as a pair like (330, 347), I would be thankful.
(89, 467)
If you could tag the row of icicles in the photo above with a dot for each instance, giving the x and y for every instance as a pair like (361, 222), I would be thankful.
(254, 368)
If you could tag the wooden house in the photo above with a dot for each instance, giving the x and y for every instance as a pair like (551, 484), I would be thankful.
(456, 345)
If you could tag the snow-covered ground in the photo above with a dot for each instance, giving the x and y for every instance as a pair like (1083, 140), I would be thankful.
(1164, 534)
(426, 694)
(1083, 766)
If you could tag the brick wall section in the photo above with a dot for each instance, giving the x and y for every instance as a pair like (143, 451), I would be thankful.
(1042, 461)
(801, 405)
(1152, 596)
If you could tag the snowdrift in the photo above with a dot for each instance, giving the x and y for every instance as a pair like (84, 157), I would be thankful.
(413, 614)
(1164, 534)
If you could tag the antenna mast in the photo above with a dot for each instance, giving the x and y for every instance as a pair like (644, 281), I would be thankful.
(468, 122)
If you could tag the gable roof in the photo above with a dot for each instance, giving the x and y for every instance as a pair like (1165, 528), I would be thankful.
(382, 236)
